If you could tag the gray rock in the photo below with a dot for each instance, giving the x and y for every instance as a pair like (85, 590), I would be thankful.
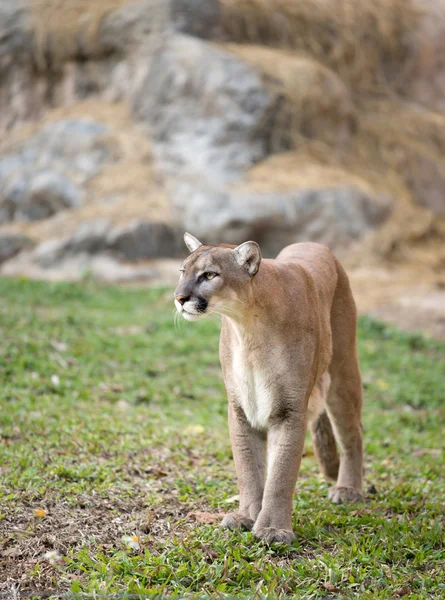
(13, 243)
(133, 242)
(76, 147)
(425, 178)
(129, 27)
(79, 147)
(335, 216)
(141, 240)
(48, 253)
(38, 196)
(15, 35)
(200, 18)
(208, 111)
(47, 173)
(424, 80)
(90, 237)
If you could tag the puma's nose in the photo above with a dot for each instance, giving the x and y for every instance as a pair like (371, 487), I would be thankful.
(182, 299)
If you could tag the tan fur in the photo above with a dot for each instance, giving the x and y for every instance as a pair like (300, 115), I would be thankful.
(288, 355)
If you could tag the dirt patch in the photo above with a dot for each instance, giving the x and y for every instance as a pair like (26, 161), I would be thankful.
(33, 547)
(411, 298)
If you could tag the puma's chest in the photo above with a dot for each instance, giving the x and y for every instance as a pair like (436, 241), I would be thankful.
(253, 390)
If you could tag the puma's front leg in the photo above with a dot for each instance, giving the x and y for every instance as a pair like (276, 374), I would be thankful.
(285, 448)
(249, 453)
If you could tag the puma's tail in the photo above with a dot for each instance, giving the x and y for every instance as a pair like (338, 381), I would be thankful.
(324, 446)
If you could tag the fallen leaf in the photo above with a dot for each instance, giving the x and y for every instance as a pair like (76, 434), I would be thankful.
(194, 429)
(129, 330)
(232, 499)
(361, 511)
(330, 587)
(123, 404)
(13, 552)
(205, 517)
(403, 591)
(425, 451)
(59, 346)
(147, 521)
(382, 384)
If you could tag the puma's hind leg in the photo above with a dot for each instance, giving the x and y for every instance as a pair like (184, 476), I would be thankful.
(344, 403)
(321, 430)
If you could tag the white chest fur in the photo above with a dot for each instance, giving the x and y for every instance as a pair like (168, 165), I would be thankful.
(253, 392)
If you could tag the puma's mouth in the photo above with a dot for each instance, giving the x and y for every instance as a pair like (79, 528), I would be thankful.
(190, 316)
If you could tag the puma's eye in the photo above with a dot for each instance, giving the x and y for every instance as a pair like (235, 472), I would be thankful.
(209, 275)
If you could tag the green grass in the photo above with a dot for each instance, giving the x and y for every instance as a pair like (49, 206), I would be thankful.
(114, 423)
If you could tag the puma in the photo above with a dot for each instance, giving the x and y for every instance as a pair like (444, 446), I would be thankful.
(288, 354)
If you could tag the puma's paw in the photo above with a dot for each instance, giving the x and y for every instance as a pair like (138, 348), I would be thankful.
(342, 495)
(272, 535)
(236, 520)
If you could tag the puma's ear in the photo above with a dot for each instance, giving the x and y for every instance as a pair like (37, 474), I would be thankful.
(248, 255)
(191, 242)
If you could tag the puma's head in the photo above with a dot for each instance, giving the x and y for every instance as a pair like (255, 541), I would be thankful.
(212, 278)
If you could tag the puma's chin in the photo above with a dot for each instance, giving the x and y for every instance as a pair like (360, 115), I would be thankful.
(190, 316)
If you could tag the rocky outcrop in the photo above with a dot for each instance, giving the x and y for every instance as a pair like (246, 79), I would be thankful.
(335, 216)
(209, 113)
(216, 90)
(134, 242)
(12, 244)
(45, 175)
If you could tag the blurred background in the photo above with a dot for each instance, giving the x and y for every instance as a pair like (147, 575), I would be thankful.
(125, 122)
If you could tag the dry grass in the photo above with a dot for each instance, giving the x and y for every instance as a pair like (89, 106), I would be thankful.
(380, 159)
(293, 170)
(315, 102)
(62, 28)
(367, 43)
(69, 29)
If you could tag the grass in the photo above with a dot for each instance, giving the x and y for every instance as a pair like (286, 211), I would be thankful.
(113, 424)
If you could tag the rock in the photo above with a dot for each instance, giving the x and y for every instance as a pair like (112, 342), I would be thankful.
(425, 79)
(136, 241)
(141, 240)
(207, 110)
(108, 269)
(47, 254)
(425, 178)
(77, 147)
(80, 147)
(12, 244)
(129, 27)
(200, 18)
(38, 196)
(76, 267)
(44, 176)
(313, 102)
(90, 237)
(335, 216)
(14, 34)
